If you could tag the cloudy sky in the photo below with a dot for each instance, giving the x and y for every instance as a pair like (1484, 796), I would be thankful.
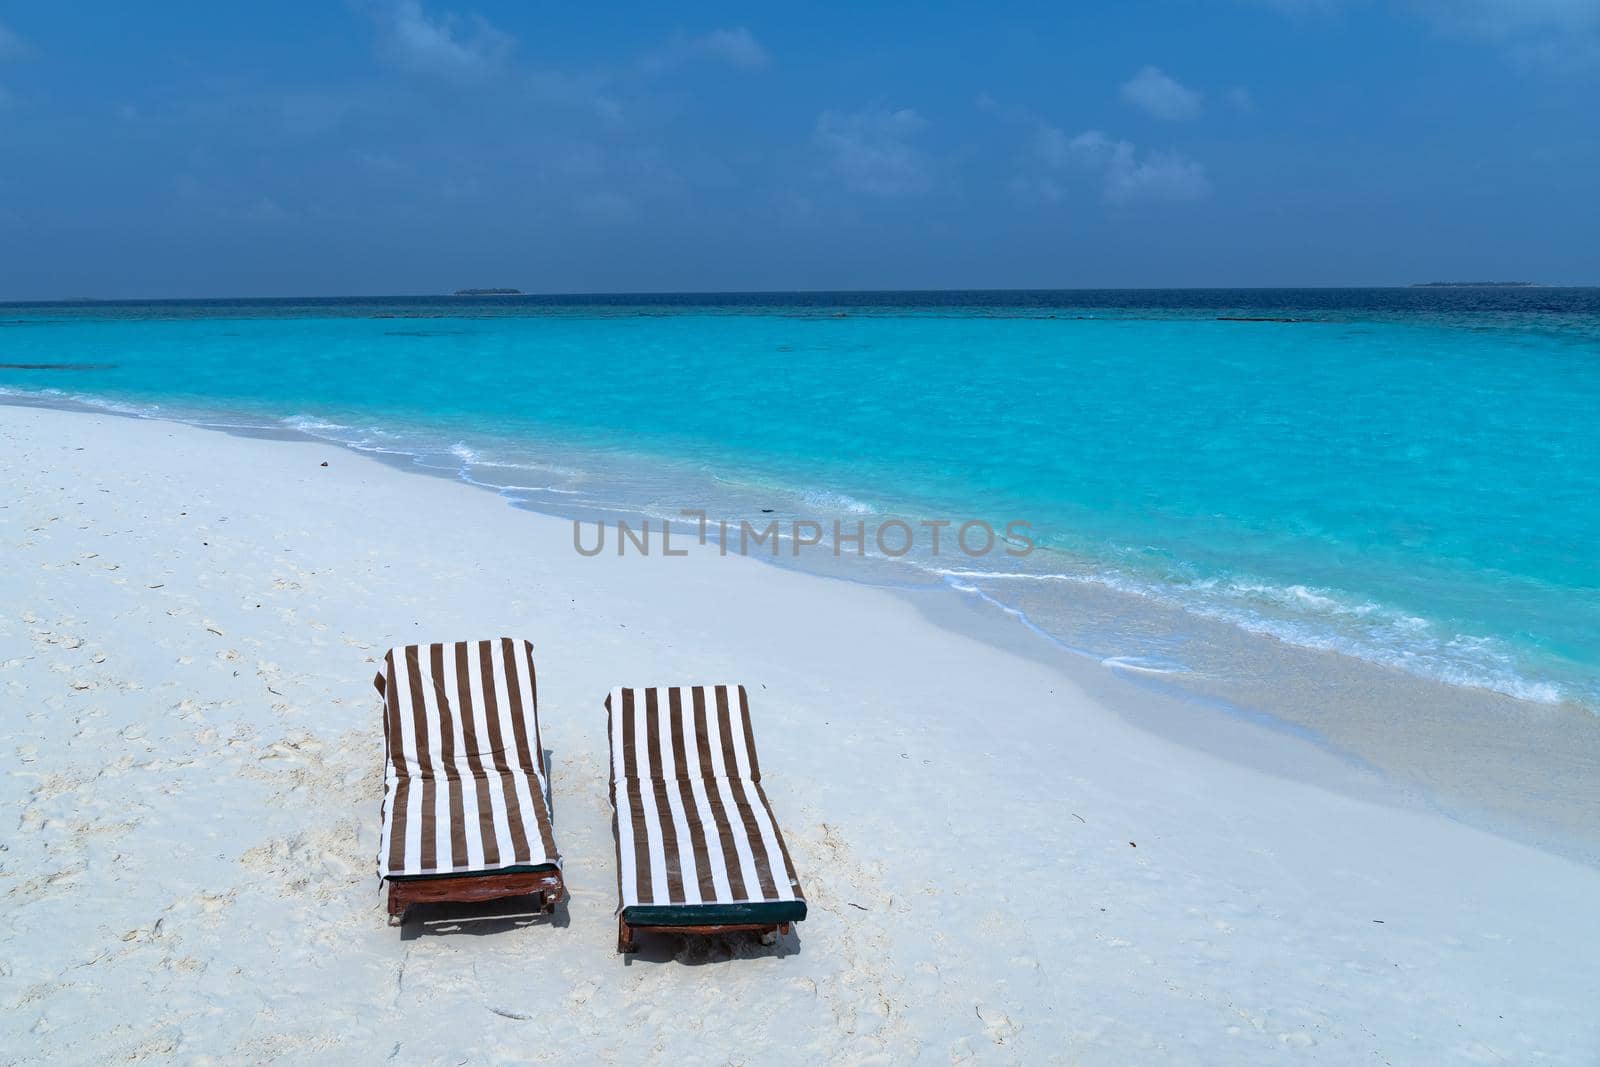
(413, 146)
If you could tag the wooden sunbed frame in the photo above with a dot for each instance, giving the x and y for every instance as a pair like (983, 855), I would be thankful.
(539, 874)
(470, 888)
(661, 737)
(625, 930)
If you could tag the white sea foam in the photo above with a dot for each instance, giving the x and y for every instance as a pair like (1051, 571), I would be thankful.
(529, 488)
(312, 425)
(478, 460)
(1297, 614)
(1322, 620)
(1144, 665)
(1015, 612)
(827, 500)
(138, 411)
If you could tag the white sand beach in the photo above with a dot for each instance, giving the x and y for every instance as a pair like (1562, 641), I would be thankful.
(1000, 866)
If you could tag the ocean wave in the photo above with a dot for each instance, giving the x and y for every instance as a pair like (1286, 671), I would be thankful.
(373, 440)
(510, 489)
(1021, 617)
(527, 488)
(1144, 664)
(312, 424)
(1297, 614)
(828, 500)
(55, 396)
(1321, 620)
(476, 458)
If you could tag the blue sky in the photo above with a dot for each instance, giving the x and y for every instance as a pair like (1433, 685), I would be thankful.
(398, 146)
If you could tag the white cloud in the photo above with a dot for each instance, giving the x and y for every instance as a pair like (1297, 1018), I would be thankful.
(448, 45)
(1165, 97)
(736, 46)
(1557, 35)
(872, 150)
(1126, 174)
(1554, 34)
(12, 46)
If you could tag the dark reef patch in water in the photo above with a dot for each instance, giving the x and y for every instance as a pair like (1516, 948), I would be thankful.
(58, 366)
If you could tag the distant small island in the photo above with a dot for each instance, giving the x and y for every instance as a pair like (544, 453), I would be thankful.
(488, 292)
(1473, 285)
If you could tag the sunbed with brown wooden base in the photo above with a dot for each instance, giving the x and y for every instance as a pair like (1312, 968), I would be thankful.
(698, 847)
(466, 812)
(543, 881)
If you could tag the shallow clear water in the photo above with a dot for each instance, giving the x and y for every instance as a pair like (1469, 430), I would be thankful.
(1411, 476)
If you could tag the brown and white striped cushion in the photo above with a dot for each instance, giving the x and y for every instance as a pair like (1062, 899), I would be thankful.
(464, 785)
(693, 825)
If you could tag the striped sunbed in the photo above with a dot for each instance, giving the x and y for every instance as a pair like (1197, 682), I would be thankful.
(466, 811)
(698, 847)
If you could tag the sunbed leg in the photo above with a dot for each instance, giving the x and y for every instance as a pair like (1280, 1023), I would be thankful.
(625, 942)
(397, 908)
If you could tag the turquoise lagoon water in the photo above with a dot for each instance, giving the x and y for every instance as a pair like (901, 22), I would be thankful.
(1408, 476)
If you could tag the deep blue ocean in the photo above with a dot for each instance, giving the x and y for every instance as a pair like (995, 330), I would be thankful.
(1411, 476)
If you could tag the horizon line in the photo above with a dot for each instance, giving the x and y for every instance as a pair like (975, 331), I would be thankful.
(613, 294)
